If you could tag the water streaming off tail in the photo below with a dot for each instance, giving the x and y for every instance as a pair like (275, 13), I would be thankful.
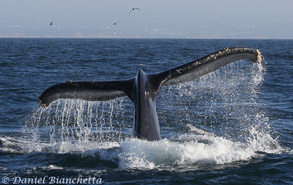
(68, 125)
(225, 102)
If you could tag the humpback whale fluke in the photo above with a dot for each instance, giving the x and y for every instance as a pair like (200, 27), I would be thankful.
(143, 89)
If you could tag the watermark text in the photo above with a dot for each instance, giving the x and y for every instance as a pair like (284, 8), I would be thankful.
(52, 180)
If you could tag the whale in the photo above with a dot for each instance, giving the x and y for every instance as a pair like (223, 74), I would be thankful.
(144, 88)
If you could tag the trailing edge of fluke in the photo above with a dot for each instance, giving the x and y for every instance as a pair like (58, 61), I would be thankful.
(143, 89)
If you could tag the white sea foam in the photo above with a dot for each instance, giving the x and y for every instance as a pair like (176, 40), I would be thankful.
(193, 149)
(198, 147)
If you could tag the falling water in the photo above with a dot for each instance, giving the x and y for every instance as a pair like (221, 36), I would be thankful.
(225, 102)
(68, 125)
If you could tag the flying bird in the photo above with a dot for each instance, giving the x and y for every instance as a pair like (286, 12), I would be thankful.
(133, 10)
(115, 23)
(51, 23)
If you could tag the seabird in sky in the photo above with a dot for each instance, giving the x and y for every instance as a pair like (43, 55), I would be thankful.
(51, 23)
(115, 23)
(133, 10)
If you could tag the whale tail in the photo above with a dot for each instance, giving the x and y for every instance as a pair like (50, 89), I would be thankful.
(144, 88)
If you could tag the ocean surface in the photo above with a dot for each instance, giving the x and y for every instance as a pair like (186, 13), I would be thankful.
(232, 126)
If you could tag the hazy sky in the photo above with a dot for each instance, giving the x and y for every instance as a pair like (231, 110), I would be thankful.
(157, 18)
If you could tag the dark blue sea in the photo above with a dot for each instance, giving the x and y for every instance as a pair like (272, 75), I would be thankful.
(232, 126)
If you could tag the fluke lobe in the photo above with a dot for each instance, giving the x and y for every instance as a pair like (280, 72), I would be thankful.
(144, 88)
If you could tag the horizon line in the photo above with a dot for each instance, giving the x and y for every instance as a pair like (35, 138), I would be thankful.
(183, 38)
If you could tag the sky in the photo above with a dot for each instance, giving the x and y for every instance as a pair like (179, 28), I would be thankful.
(214, 19)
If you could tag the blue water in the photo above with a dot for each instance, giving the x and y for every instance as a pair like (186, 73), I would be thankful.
(233, 126)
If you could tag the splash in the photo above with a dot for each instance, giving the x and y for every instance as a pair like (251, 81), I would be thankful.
(193, 150)
(218, 119)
